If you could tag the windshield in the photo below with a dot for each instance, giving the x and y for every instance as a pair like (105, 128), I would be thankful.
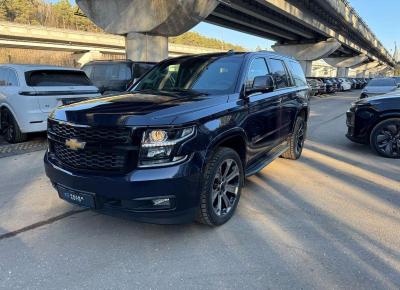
(202, 74)
(382, 83)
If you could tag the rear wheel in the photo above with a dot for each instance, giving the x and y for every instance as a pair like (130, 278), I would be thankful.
(385, 138)
(223, 181)
(296, 140)
(10, 128)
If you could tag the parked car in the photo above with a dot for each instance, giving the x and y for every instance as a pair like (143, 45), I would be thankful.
(379, 86)
(28, 93)
(331, 87)
(376, 120)
(345, 85)
(314, 87)
(115, 76)
(353, 83)
(321, 87)
(180, 144)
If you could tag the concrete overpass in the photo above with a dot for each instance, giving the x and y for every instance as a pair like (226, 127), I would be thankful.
(307, 29)
(86, 46)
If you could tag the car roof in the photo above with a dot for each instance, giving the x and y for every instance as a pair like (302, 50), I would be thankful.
(29, 67)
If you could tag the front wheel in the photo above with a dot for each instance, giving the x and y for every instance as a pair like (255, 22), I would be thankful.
(296, 140)
(222, 185)
(385, 138)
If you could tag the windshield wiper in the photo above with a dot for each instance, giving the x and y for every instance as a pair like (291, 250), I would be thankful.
(179, 90)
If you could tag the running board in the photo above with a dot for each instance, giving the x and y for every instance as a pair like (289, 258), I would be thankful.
(271, 156)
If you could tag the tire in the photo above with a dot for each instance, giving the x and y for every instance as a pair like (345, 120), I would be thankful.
(296, 140)
(223, 164)
(10, 128)
(385, 138)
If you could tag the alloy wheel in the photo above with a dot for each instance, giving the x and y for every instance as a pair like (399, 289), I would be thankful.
(225, 187)
(300, 137)
(388, 140)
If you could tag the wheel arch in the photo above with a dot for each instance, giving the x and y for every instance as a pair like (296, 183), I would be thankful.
(235, 139)
(380, 118)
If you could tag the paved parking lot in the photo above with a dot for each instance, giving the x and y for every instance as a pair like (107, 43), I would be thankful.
(330, 220)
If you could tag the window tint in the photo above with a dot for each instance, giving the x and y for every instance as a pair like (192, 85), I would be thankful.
(297, 73)
(53, 78)
(382, 82)
(3, 77)
(279, 73)
(111, 72)
(12, 78)
(258, 67)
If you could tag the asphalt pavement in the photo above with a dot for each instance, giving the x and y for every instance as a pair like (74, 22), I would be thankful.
(330, 220)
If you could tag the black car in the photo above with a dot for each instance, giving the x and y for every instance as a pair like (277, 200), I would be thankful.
(331, 87)
(179, 145)
(376, 121)
(114, 76)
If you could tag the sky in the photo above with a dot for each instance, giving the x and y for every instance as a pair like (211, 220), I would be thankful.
(382, 16)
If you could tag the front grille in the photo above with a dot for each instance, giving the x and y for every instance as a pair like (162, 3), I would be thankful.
(87, 134)
(92, 160)
(108, 149)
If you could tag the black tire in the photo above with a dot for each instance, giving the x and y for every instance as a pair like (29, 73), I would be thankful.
(10, 128)
(385, 138)
(296, 140)
(213, 182)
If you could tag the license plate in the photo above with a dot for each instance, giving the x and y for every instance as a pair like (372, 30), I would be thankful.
(76, 197)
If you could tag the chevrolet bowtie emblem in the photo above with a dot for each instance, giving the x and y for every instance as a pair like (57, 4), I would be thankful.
(74, 144)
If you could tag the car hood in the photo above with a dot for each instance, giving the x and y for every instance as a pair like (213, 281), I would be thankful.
(385, 97)
(137, 109)
(378, 90)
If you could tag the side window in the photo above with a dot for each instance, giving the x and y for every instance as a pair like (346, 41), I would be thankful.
(279, 73)
(258, 67)
(3, 77)
(88, 69)
(298, 74)
(12, 78)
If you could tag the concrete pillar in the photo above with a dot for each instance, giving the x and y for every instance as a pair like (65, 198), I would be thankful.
(307, 67)
(361, 74)
(146, 47)
(306, 53)
(342, 72)
(84, 57)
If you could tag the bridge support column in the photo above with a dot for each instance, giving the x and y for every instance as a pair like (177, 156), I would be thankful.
(306, 53)
(344, 63)
(146, 47)
(84, 57)
(342, 72)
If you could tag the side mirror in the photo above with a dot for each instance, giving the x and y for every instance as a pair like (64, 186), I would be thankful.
(398, 85)
(261, 84)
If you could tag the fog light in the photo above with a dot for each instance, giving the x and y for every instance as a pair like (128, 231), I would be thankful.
(161, 202)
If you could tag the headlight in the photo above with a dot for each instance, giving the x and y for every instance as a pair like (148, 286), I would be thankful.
(159, 146)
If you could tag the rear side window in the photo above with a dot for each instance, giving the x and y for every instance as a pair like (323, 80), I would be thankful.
(53, 78)
(3, 77)
(297, 74)
(279, 73)
(12, 78)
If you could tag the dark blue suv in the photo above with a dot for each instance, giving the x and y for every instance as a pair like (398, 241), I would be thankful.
(178, 146)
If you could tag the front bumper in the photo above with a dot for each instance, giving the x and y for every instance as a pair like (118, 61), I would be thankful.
(179, 183)
(352, 132)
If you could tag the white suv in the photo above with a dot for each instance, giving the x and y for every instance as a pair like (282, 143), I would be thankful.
(28, 93)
